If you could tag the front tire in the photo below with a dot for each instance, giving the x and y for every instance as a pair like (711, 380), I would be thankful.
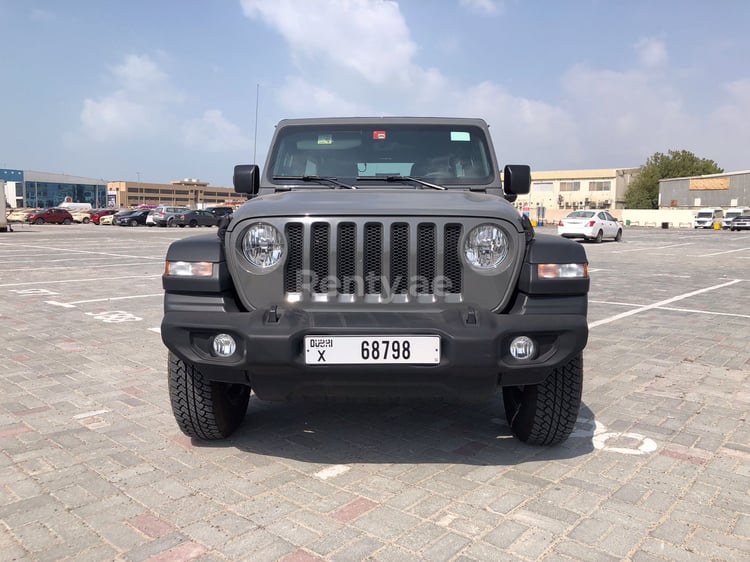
(618, 236)
(205, 409)
(546, 413)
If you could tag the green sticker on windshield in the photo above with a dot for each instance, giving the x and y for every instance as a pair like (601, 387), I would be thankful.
(461, 136)
(325, 139)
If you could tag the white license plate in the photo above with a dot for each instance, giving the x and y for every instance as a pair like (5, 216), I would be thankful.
(357, 350)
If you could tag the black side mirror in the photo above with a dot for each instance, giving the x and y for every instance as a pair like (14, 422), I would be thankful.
(516, 179)
(246, 178)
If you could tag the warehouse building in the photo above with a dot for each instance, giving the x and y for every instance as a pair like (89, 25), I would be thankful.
(729, 189)
(26, 188)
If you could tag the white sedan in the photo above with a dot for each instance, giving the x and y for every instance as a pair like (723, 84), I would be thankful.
(590, 225)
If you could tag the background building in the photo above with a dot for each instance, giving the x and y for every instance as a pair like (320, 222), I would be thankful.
(556, 193)
(26, 188)
(188, 192)
(725, 190)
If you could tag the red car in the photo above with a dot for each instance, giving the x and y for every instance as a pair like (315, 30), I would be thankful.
(54, 215)
(96, 214)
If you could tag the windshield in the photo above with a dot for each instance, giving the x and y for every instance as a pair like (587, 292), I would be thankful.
(705, 215)
(445, 154)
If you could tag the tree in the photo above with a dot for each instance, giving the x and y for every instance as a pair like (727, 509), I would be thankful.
(643, 192)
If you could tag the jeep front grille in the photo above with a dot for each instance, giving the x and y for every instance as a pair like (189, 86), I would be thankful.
(373, 260)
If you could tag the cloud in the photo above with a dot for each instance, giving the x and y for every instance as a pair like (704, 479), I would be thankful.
(368, 38)
(651, 52)
(483, 6)
(213, 133)
(138, 105)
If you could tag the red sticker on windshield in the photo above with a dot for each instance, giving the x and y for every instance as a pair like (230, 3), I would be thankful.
(378, 135)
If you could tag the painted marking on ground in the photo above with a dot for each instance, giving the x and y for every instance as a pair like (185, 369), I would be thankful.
(114, 316)
(155, 330)
(118, 298)
(722, 253)
(85, 415)
(332, 471)
(77, 280)
(661, 303)
(652, 249)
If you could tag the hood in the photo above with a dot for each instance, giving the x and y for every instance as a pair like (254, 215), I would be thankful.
(379, 202)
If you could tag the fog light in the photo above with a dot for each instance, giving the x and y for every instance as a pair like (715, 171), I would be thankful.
(522, 348)
(224, 345)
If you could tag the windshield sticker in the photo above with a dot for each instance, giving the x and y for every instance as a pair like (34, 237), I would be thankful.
(460, 136)
(325, 139)
(378, 135)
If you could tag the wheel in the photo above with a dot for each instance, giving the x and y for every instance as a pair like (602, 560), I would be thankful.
(599, 236)
(545, 413)
(618, 236)
(193, 223)
(133, 222)
(205, 409)
(171, 223)
(39, 221)
(86, 221)
(67, 221)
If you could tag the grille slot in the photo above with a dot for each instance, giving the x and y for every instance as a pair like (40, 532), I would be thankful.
(346, 258)
(400, 258)
(451, 262)
(293, 266)
(373, 258)
(425, 259)
(319, 258)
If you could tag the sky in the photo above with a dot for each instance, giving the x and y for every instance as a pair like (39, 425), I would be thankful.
(161, 90)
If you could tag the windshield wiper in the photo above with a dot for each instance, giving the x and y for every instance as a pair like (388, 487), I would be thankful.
(318, 179)
(403, 179)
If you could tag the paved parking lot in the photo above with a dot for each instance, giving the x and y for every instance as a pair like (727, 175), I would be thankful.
(93, 467)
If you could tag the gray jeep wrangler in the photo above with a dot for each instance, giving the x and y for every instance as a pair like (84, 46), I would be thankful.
(377, 257)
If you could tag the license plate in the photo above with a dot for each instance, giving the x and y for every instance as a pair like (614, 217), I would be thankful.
(358, 350)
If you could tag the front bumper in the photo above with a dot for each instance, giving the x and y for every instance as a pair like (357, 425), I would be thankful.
(475, 355)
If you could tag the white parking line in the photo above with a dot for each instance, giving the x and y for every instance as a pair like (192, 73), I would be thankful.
(63, 267)
(87, 252)
(721, 253)
(77, 280)
(652, 249)
(661, 303)
(73, 303)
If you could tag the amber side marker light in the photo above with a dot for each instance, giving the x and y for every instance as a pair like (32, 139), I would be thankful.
(189, 269)
(562, 270)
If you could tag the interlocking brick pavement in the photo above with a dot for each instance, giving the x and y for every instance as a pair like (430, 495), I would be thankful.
(93, 467)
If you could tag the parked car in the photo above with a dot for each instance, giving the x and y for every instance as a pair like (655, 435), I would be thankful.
(20, 215)
(120, 215)
(98, 214)
(196, 218)
(107, 219)
(83, 217)
(590, 225)
(54, 215)
(740, 223)
(134, 218)
(220, 211)
(164, 215)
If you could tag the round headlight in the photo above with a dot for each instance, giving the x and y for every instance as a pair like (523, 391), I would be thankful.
(263, 245)
(485, 247)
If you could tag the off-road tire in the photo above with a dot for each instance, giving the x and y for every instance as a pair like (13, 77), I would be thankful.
(204, 409)
(546, 413)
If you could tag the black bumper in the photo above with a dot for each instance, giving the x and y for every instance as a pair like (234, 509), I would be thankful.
(475, 356)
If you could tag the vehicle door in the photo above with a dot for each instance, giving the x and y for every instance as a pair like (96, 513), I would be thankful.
(609, 225)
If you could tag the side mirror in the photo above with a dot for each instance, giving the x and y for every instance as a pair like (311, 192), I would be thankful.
(516, 179)
(246, 177)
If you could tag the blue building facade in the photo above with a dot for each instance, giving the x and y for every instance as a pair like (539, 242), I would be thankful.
(26, 188)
